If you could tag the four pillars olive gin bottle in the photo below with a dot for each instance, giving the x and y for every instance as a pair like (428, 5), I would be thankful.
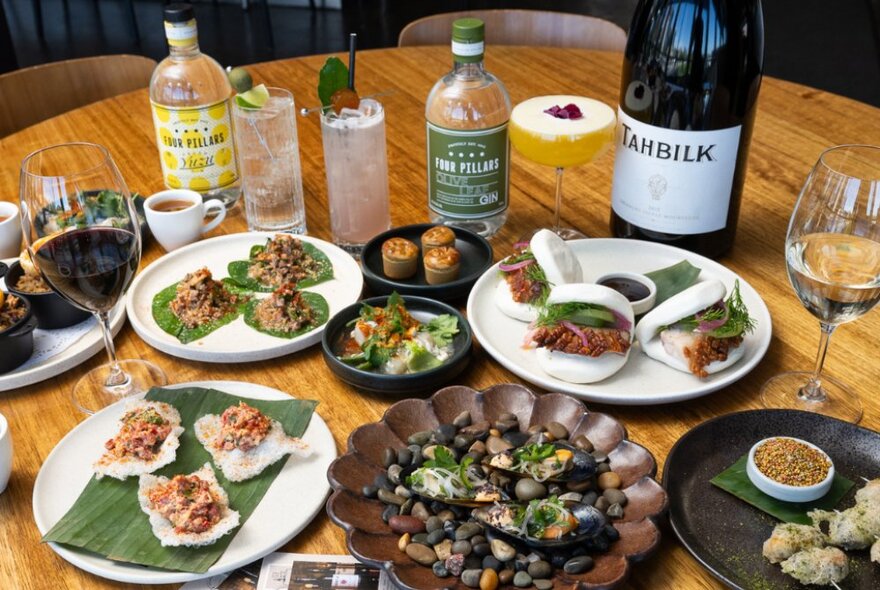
(189, 94)
(468, 150)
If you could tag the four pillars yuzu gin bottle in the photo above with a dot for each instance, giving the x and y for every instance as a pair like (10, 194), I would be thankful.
(189, 93)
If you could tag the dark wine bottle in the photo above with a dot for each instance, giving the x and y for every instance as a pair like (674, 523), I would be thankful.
(688, 92)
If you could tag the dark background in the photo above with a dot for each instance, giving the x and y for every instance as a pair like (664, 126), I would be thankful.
(829, 44)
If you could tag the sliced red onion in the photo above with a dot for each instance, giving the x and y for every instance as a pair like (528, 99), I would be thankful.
(713, 324)
(577, 331)
(621, 322)
(520, 245)
(516, 266)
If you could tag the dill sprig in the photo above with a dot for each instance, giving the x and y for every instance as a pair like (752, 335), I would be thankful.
(738, 321)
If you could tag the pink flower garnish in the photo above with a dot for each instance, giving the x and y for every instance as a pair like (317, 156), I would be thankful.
(569, 111)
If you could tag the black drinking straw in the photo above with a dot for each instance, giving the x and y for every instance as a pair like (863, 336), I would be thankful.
(352, 44)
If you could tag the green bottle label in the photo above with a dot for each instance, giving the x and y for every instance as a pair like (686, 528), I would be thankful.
(467, 171)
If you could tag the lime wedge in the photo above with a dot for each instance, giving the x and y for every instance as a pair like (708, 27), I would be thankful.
(254, 98)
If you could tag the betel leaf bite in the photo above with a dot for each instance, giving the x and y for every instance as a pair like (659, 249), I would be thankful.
(287, 312)
(583, 334)
(147, 439)
(187, 510)
(529, 274)
(243, 441)
(697, 331)
(283, 259)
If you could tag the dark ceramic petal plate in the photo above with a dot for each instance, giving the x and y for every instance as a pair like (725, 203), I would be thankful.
(726, 534)
(476, 258)
(337, 331)
(372, 541)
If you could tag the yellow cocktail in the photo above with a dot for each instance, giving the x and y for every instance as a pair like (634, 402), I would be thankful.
(562, 131)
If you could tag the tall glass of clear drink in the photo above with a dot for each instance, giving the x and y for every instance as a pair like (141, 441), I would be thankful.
(357, 174)
(268, 159)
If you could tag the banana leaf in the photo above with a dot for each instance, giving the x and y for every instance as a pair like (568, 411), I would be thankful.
(316, 302)
(735, 480)
(673, 279)
(238, 270)
(170, 323)
(106, 518)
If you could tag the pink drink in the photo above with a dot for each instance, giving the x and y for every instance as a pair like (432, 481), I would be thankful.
(357, 174)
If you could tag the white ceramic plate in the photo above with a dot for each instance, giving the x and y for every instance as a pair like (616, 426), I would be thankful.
(235, 342)
(642, 380)
(292, 501)
(81, 350)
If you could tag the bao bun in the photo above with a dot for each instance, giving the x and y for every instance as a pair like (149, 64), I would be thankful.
(560, 266)
(690, 301)
(576, 368)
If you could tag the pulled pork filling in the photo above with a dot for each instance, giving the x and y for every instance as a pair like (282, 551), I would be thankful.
(598, 340)
(284, 310)
(522, 288)
(11, 311)
(707, 349)
(141, 435)
(187, 502)
(242, 427)
(282, 261)
(200, 299)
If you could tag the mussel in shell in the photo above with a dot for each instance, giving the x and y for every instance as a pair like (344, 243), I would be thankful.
(544, 523)
(462, 485)
(554, 461)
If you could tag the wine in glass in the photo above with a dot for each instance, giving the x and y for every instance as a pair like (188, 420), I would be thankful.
(562, 131)
(832, 253)
(82, 232)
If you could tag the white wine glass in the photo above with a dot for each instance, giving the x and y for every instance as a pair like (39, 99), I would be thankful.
(832, 253)
(82, 232)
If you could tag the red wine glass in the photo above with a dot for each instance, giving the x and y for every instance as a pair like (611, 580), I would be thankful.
(82, 232)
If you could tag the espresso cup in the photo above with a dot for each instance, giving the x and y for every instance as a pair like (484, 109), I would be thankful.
(10, 230)
(177, 217)
(5, 453)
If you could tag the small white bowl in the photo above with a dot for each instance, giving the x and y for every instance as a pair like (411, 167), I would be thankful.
(782, 491)
(639, 306)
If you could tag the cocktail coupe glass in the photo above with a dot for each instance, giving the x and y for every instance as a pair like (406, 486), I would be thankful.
(832, 253)
(87, 253)
(546, 130)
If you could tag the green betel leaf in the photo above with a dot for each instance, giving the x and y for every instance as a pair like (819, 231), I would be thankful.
(673, 279)
(315, 301)
(106, 518)
(333, 77)
(170, 323)
(238, 271)
(734, 480)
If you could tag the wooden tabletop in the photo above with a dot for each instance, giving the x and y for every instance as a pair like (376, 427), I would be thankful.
(794, 124)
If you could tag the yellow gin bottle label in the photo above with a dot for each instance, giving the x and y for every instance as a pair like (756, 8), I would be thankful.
(195, 146)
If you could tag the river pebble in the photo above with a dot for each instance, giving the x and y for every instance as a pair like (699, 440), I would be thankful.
(463, 547)
(443, 549)
(501, 550)
(522, 580)
(403, 541)
(488, 579)
(528, 489)
(578, 565)
(609, 480)
(439, 569)
(543, 584)
(467, 530)
(471, 578)
(540, 569)
(406, 524)
(421, 554)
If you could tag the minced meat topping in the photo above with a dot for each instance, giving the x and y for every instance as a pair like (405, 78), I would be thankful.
(285, 310)
(200, 299)
(141, 436)
(706, 350)
(599, 340)
(32, 283)
(11, 311)
(282, 261)
(187, 502)
(242, 427)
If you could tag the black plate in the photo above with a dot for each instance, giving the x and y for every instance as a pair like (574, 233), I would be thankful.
(336, 331)
(476, 258)
(724, 533)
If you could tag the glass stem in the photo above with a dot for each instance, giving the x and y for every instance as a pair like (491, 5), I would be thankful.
(813, 391)
(116, 376)
(556, 225)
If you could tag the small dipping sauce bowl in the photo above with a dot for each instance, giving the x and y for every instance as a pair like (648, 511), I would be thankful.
(782, 491)
(637, 288)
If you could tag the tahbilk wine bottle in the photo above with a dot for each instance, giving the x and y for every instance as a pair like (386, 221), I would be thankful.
(688, 92)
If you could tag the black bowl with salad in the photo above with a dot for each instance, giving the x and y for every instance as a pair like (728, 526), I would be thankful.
(395, 344)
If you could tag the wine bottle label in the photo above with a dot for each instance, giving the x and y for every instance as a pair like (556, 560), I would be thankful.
(671, 181)
(468, 171)
(195, 146)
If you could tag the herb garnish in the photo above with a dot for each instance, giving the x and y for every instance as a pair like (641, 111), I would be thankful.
(533, 273)
(582, 314)
(738, 320)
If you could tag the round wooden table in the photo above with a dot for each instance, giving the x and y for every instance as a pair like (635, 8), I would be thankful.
(794, 124)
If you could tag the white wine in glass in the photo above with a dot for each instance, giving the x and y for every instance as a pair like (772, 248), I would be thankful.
(832, 253)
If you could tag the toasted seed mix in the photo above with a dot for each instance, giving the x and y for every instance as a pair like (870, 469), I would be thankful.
(791, 462)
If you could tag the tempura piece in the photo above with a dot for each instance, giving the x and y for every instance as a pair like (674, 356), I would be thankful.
(817, 566)
(870, 494)
(789, 538)
(853, 528)
(187, 510)
(243, 441)
(147, 439)
(875, 551)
